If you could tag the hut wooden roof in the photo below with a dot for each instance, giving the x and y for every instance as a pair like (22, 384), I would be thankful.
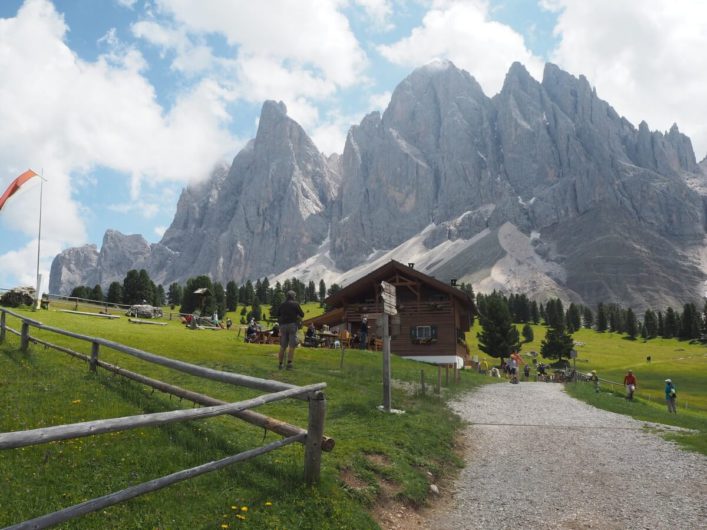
(363, 284)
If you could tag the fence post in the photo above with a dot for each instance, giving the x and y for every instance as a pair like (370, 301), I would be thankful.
(24, 343)
(94, 356)
(313, 444)
(2, 326)
(438, 388)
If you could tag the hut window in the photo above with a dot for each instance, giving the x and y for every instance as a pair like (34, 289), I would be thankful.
(423, 334)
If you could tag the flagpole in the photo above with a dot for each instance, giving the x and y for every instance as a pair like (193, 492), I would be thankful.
(39, 234)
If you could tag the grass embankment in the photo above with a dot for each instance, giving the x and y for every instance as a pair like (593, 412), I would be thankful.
(376, 455)
(612, 355)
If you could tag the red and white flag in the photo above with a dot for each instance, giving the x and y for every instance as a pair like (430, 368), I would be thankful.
(16, 185)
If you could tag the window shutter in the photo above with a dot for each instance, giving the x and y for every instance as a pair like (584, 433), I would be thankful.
(433, 332)
(413, 333)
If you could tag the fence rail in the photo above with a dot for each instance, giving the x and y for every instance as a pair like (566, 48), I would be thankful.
(313, 438)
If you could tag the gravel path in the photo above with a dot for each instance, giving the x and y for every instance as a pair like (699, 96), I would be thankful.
(538, 458)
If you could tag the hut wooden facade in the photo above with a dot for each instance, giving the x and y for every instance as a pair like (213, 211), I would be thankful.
(432, 315)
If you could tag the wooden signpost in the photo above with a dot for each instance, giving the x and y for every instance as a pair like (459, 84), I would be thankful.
(389, 302)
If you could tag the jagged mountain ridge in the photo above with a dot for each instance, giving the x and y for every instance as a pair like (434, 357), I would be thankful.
(594, 208)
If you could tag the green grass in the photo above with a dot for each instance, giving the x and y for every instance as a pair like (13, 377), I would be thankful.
(46, 387)
(612, 355)
(647, 410)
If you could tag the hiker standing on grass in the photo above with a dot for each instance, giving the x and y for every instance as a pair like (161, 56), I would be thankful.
(671, 395)
(289, 315)
(594, 378)
(631, 384)
(363, 334)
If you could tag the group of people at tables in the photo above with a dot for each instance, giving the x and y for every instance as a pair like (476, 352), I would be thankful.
(313, 337)
(255, 333)
(335, 337)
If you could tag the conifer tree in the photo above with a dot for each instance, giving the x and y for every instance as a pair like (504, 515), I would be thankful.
(97, 293)
(231, 296)
(115, 293)
(650, 323)
(587, 317)
(322, 291)
(602, 320)
(631, 325)
(670, 324)
(498, 337)
(528, 334)
(535, 312)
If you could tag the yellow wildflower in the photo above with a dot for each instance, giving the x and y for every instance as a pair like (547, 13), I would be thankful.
(241, 517)
(244, 508)
(268, 503)
(76, 402)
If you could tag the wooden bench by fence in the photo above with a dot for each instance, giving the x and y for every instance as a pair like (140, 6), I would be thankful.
(312, 438)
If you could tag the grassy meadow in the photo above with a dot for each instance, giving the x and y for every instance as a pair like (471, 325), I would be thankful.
(613, 354)
(377, 456)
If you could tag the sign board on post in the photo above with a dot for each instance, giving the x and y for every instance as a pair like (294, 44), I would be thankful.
(388, 296)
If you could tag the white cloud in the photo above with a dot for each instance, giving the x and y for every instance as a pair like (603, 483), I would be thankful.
(127, 3)
(330, 134)
(380, 101)
(314, 35)
(379, 11)
(462, 32)
(190, 58)
(69, 116)
(160, 230)
(645, 58)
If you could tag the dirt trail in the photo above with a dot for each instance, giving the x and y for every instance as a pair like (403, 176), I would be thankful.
(538, 458)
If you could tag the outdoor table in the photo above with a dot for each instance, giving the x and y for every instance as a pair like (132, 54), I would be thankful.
(327, 337)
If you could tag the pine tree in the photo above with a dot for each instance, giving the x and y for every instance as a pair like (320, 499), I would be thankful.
(690, 323)
(670, 324)
(97, 293)
(159, 296)
(588, 317)
(574, 320)
(528, 334)
(661, 325)
(231, 295)
(81, 292)
(650, 323)
(131, 288)
(322, 291)
(535, 312)
(174, 294)
(602, 321)
(556, 344)
(115, 293)
(278, 298)
(249, 293)
(631, 325)
(311, 292)
(220, 300)
(499, 337)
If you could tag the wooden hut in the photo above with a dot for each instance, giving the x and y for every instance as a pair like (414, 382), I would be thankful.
(432, 315)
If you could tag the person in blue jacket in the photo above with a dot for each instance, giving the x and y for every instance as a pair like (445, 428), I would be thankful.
(671, 396)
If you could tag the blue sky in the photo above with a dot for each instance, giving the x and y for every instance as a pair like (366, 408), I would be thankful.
(122, 103)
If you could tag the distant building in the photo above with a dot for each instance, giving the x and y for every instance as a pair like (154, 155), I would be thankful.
(432, 315)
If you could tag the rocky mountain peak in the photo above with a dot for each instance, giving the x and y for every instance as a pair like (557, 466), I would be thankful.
(544, 186)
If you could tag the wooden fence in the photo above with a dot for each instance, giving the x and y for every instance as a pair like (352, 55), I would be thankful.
(312, 438)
